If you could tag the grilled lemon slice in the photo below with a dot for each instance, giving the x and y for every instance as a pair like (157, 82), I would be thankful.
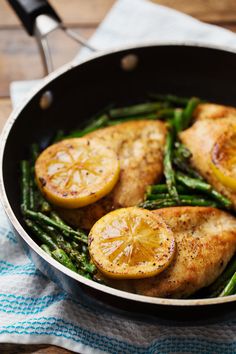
(131, 243)
(223, 158)
(76, 172)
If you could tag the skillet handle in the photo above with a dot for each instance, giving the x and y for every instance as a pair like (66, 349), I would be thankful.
(29, 10)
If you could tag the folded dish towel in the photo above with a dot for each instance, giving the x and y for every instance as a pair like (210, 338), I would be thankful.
(35, 310)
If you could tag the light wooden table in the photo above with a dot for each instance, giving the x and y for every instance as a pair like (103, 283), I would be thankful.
(19, 60)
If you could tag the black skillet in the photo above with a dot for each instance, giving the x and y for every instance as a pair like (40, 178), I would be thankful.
(76, 92)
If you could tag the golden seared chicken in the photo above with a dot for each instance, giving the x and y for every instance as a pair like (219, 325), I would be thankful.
(213, 111)
(205, 242)
(212, 143)
(139, 146)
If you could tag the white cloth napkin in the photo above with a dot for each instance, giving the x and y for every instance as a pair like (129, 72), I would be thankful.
(35, 310)
(137, 21)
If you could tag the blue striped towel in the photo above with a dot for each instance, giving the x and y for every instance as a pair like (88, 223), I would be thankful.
(35, 310)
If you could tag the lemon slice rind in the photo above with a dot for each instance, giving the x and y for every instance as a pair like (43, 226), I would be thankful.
(131, 243)
(223, 159)
(76, 172)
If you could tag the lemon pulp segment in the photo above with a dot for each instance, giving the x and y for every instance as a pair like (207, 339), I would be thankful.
(223, 158)
(131, 243)
(76, 172)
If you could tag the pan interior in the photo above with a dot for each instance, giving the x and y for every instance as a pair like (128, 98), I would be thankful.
(82, 91)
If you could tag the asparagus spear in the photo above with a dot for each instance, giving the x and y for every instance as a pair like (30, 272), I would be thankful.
(25, 182)
(135, 110)
(151, 116)
(159, 196)
(197, 201)
(46, 249)
(177, 120)
(32, 201)
(41, 218)
(153, 205)
(41, 204)
(165, 113)
(221, 199)
(182, 117)
(183, 200)
(199, 185)
(230, 288)
(181, 156)
(37, 201)
(56, 217)
(182, 151)
(83, 262)
(41, 235)
(163, 196)
(162, 188)
(45, 207)
(57, 236)
(161, 114)
(188, 112)
(168, 168)
(34, 152)
(157, 188)
(172, 99)
(183, 166)
(100, 122)
(192, 183)
(77, 256)
(62, 257)
(216, 288)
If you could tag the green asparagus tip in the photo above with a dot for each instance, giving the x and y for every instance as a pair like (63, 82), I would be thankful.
(46, 249)
(230, 288)
(62, 257)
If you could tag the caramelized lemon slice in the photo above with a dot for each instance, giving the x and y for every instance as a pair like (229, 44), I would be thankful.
(76, 172)
(223, 157)
(131, 243)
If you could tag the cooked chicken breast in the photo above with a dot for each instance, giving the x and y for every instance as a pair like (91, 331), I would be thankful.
(200, 139)
(139, 146)
(206, 241)
(213, 111)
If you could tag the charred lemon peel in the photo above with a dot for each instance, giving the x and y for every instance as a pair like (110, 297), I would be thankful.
(76, 172)
(223, 159)
(131, 243)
